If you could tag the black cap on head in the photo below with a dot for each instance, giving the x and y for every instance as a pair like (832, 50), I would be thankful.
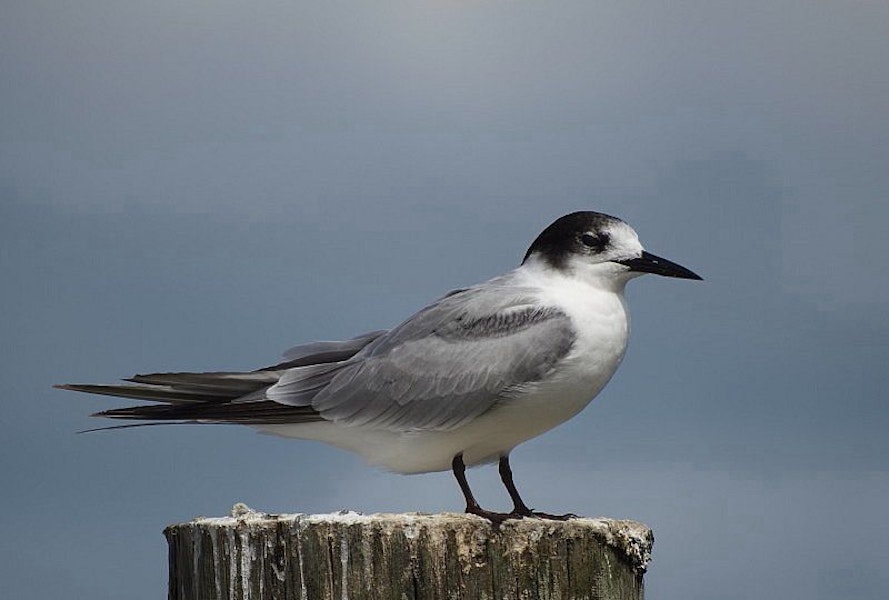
(582, 231)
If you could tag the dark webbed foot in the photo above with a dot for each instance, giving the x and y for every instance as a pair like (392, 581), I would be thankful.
(525, 512)
(496, 518)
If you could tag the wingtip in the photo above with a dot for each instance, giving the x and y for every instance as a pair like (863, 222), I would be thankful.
(86, 388)
(131, 426)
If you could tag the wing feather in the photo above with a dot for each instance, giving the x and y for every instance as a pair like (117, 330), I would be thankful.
(443, 367)
(315, 353)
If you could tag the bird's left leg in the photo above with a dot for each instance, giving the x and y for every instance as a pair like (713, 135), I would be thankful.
(520, 509)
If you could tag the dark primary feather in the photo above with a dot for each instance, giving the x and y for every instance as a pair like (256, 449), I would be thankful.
(264, 412)
(140, 392)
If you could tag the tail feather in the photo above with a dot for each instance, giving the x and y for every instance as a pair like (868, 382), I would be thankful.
(232, 397)
(224, 397)
(188, 388)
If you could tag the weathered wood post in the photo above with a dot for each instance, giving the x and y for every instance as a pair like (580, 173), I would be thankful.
(412, 556)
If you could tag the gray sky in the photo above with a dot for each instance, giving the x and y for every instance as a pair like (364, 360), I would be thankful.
(199, 186)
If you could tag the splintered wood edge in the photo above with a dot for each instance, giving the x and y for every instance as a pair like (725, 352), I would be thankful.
(631, 539)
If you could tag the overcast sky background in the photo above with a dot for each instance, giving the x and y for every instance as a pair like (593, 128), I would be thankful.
(200, 185)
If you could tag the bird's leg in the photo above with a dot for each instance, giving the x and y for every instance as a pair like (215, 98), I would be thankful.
(520, 509)
(472, 506)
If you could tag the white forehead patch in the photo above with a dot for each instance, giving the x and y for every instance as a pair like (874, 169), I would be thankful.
(624, 241)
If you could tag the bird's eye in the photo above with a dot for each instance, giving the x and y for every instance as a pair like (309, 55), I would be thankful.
(594, 241)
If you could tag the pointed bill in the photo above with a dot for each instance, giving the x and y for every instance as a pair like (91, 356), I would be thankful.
(649, 263)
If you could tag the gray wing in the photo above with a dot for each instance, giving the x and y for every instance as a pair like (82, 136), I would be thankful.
(443, 367)
(315, 353)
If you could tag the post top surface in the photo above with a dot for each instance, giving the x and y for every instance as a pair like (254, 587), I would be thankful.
(630, 538)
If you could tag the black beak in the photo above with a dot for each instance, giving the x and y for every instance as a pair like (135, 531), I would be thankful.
(649, 263)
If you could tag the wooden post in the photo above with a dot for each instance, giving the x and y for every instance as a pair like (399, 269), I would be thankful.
(412, 556)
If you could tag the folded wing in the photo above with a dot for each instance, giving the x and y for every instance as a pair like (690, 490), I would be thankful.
(443, 367)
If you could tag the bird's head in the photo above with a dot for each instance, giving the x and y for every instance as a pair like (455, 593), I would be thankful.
(593, 245)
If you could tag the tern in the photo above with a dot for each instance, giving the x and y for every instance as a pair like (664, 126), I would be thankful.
(460, 383)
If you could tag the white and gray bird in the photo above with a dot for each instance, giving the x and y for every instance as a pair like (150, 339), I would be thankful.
(460, 383)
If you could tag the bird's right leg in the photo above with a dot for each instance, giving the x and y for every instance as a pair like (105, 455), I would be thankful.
(520, 509)
(472, 506)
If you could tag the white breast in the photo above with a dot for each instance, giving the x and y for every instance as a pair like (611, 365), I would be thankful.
(601, 324)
